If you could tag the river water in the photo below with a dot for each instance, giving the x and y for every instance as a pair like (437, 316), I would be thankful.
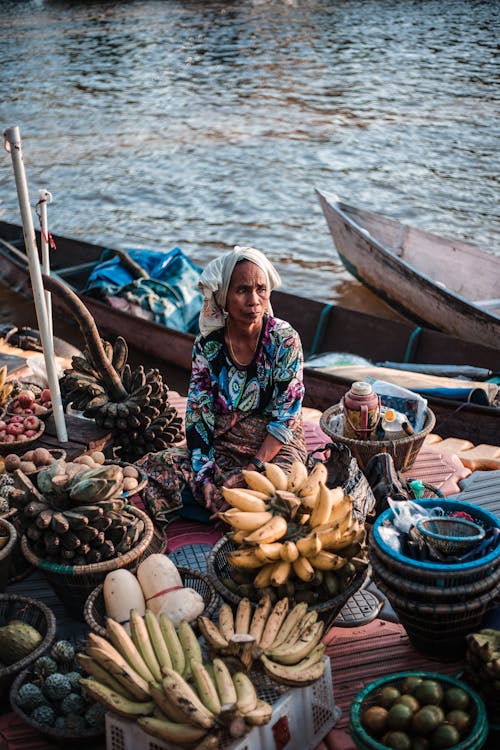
(206, 124)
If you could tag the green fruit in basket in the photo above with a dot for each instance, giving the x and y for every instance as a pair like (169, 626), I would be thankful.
(455, 698)
(420, 743)
(387, 696)
(74, 723)
(410, 701)
(429, 691)
(17, 640)
(43, 715)
(94, 716)
(446, 735)
(63, 652)
(44, 666)
(425, 720)
(30, 696)
(460, 719)
(73, 703)
(374, 719)
(397, 740)
(56, 687)
(399, 716)
(410, 684)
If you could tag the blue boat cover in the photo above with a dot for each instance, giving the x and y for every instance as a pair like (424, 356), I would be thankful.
(170, 293)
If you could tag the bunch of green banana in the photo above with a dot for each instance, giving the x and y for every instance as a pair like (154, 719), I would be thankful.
(482, 668)
(76, 518)
(139, 414)
(157, 676)
(8, 389)
(292, 530)
(287, 642)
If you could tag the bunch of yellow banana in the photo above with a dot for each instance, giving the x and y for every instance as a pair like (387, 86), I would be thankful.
(7, 388)
(291, 527)
(157, 676)
(288, 642)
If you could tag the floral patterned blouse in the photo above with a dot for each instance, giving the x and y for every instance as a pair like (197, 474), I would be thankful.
(271, 385)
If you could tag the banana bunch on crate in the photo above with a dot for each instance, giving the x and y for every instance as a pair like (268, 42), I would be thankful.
(138, 412)
(157, 676)
(294, 530)
(482, 669)
(75, 515)
(8, 389)
(287, 642)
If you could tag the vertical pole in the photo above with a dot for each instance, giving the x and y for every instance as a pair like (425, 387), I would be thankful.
(13, 146)
(44, 198)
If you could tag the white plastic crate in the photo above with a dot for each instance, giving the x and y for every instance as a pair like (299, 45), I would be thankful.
(301, 718)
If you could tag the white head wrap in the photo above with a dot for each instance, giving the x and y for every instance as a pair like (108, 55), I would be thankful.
(215, 279)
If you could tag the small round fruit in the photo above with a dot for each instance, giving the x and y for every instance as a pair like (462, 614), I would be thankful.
(420, 743)
(374, 719)
(445, 735)
(399, 716)
(429, 691)
(455, 698)
(460, 719)
(397, 740)
(425, 721)
(410, 684)
(409, 700)
(387, 696)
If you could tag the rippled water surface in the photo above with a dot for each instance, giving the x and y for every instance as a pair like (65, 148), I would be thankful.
(209, 124)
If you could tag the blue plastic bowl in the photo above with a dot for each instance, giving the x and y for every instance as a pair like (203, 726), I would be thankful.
(464, 571)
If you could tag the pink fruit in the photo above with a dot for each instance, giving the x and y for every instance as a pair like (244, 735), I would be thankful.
(22, 437)
(45, 395)
(3, 425)
(26, 398)
(39, 410)
(9, 438)
(15, 428)
(29, 433)
(17, 410)
(16, 419)
(32, 423)
(47, 404)
(3, 433)
(28, 411)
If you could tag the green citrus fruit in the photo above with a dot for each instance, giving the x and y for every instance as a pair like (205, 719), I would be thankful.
(374, 719)
(455, 697)
(460, 719)
(429, 691)
(446, 735)
(410, 684)
(420, 743)
(387, 696)
(399, 716)
(397, 740)
(425, 721)
(410, 701)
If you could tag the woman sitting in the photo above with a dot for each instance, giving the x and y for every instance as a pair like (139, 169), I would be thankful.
(246, 389)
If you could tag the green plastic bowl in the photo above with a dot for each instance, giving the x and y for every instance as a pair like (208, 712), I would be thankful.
(475, 740)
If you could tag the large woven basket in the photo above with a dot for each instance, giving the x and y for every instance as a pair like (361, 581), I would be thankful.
(74, 583)
(35, 613)
(7, 552)
(404, 450)
(95, 615)
(59, 736)
(218, 569)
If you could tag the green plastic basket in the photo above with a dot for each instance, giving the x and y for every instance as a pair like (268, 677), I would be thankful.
(475, 740)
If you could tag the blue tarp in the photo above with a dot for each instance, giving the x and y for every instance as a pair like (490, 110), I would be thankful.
(171, 292)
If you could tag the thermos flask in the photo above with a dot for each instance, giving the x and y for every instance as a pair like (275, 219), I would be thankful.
(361, 408)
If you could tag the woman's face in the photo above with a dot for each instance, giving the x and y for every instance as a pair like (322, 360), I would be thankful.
(248, 294)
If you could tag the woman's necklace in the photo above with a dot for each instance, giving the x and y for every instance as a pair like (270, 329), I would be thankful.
(231, 350)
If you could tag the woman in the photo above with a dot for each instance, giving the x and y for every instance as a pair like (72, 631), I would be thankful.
(246, 389)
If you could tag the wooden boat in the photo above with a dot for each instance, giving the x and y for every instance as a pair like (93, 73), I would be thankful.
(445, 284)
(322, 327)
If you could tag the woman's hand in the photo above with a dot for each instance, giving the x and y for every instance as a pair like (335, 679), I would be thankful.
(236, 480)
(210, 493)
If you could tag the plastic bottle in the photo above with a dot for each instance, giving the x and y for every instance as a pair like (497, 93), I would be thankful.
(392, 425)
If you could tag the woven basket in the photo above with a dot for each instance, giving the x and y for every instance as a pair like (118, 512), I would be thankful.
(7, 552)
(439, 630)
(73, 583)
(58, 736)
(474, 740)
(95, 615)
(218, 568)
(142, 481)
(404, 450)
(21, 446)
(35, 613)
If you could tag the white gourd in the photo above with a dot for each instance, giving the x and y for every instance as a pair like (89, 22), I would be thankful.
(122, 592)
(164, 591)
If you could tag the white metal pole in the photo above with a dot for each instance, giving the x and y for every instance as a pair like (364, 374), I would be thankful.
(13, 146)
(44, 197)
